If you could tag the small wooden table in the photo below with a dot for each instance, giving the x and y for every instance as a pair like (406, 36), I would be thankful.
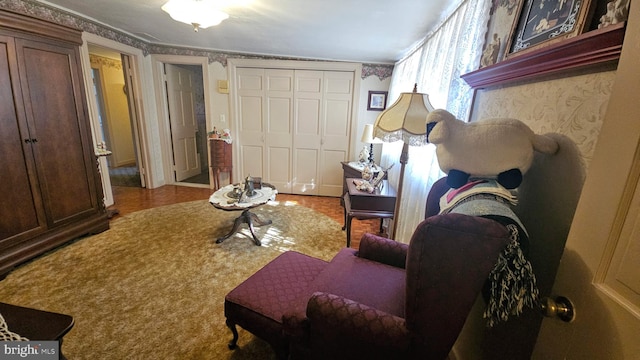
(223, 200)
(362, 205)
(36, 324)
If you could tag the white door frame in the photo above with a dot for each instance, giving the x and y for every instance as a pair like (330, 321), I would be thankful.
(162, 106)
(137, 58)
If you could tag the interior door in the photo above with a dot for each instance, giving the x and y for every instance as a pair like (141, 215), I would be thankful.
(251, 138)
(599, 271)
(294, 127)
(308, 113)
(129, 75)
(180, 93)
(278, 127)
(336, 122)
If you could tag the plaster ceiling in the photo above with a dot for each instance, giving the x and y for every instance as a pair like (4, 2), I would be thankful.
(369, 31)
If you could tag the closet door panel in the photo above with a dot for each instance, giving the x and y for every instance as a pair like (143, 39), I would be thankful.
(21, 214)
(279, 127)
(301, 119)
(251, 139)
(335, 128)
(51, 85)
(307, 136)
(306, 165)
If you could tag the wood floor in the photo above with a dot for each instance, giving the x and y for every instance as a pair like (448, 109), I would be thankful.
(131, 199)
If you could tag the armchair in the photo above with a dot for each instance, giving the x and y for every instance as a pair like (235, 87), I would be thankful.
(385, 300)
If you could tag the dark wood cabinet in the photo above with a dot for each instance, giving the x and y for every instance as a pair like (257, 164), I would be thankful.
(50, 187)
(221, 160)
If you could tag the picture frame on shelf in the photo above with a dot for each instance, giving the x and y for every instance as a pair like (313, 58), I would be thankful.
(544, 22)
(503, 16)
(377, 100)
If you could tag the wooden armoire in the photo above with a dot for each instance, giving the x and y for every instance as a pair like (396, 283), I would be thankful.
(50, 188)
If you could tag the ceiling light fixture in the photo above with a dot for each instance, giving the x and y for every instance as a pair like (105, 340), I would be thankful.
(201, 14)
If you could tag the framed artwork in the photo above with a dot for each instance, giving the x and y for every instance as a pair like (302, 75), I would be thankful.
(499, 29)
(543, 22)
(377, 100)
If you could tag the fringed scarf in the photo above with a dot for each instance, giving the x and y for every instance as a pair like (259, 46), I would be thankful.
(511, 283)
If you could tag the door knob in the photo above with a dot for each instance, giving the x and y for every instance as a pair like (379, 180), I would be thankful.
(560, 307)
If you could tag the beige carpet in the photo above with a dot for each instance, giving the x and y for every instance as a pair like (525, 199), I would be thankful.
(153, 286)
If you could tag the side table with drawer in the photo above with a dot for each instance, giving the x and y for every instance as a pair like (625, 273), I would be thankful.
(220, 160)
(362, 205)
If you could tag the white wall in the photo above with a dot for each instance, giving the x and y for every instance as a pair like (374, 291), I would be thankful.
(370, 83)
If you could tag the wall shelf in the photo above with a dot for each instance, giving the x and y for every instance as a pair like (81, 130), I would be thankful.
(592, 48)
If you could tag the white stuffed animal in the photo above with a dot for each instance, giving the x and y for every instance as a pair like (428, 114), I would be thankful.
(492, 148)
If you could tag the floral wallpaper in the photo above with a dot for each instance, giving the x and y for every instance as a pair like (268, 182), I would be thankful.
(573, 106)
(42, 11)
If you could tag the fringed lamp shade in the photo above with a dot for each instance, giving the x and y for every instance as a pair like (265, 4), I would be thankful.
(404, 120)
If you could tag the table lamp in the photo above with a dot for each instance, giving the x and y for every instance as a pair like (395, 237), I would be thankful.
(404, 120)
(367, 138)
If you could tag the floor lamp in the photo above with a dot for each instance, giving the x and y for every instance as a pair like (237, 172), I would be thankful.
(404, 120)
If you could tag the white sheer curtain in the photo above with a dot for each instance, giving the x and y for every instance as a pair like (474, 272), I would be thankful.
(453, 49)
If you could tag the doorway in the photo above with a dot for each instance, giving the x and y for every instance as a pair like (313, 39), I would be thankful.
(115, 116)
(187, 123)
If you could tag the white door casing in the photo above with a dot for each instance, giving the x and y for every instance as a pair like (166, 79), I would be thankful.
(181, 102)
(599, 270)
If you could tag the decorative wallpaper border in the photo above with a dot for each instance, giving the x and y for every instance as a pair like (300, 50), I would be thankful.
(101, 60)
(43, 11)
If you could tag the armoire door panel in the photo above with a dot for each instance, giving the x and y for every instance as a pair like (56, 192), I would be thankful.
(17, 177)
(54, 118)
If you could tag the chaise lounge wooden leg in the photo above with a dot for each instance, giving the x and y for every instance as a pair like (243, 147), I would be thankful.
(234, 342)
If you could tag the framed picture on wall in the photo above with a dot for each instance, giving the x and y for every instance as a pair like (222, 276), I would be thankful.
(377, 100)
(504, 14)
(543, 22)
